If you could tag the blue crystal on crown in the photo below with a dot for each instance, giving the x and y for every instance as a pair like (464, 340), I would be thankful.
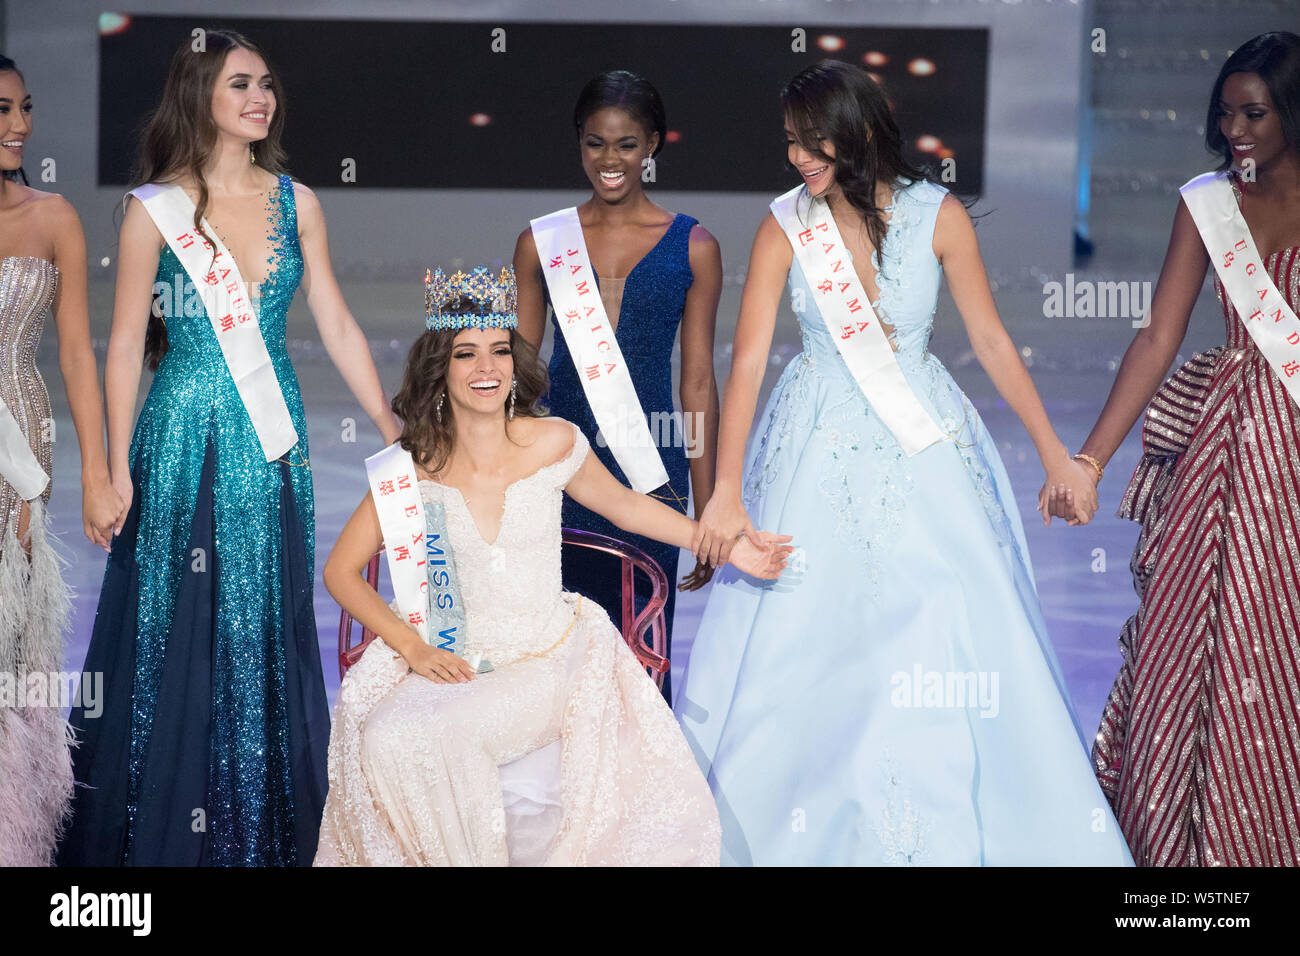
(473, 301)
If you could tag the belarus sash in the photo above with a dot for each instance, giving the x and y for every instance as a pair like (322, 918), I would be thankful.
(420, 561)
(1263, 309)
(846, 309)
(596, 355)
(234, 322)
(18, 465)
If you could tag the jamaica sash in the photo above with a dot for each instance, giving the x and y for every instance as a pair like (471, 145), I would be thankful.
(605, 379)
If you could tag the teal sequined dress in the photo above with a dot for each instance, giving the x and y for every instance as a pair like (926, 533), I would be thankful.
(210, 749)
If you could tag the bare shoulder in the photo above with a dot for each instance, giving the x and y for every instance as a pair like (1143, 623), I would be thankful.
(309, 208)
(526, 249)
(54, 211)
(702, 239)
(548, 439)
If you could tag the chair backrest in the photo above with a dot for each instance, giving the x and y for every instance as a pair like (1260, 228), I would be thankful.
(633, 626)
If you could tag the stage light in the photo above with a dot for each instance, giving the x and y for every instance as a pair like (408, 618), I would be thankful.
(921, 67)
(673, 136)
(830, 42)
(480, 119)
(113, 23)
(929, 143)
(874, 58)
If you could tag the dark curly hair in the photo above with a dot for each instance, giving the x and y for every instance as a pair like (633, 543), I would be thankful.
(424, 382)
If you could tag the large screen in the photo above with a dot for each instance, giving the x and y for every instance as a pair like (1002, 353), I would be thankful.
(489, 105)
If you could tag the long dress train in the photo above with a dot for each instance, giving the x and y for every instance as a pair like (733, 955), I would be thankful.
(565, 754)
(35, 767)
(211, 746)
(893, 698)
(1199, 745)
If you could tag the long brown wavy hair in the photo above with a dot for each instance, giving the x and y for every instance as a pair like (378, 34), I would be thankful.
(425, 382)
(841, 102)
(180, 135)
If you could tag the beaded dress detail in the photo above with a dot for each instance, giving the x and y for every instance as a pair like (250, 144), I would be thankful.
(893, 698)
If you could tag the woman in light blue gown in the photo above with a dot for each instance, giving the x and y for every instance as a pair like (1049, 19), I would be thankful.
(896, 700)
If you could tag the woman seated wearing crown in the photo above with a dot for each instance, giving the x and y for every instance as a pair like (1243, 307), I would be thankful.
(497, 719)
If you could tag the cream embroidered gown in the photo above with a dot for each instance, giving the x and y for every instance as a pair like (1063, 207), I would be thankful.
(565, 754)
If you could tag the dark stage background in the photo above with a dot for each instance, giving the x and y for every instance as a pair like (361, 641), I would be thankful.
(430, 105)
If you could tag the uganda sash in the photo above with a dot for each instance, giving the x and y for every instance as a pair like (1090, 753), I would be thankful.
(604, 375)
(846, 309)
(420, 561)
(18, 465)
(1262, 308)
(234, 322)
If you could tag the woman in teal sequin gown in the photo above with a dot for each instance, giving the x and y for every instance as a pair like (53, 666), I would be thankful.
(895, 700)
(210, 748)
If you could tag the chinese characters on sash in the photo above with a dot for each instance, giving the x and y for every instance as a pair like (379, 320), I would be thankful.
(589, 336)
(217, 279)
(846, 310)
(1272, 324)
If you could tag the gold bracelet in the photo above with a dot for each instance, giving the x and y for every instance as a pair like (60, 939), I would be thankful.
(1092, 461)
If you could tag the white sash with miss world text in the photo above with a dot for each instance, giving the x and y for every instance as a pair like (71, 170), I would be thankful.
(596, 355)
(1263, 309)
(234, 321)
(846, 309)
(420, 561)
(18, 465)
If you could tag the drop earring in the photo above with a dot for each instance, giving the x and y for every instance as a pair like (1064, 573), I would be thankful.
(510, 413)
(252, 156)
(437, 409)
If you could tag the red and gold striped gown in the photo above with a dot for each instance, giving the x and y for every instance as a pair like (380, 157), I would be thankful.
(1199, 745)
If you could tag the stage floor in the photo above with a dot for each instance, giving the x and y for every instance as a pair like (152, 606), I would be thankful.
(1082, 573)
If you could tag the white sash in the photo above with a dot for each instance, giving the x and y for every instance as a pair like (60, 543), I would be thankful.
(396, 492)
(18, 465)
(1263, 309)
(596, 355)
(846, 309)
(233, 319)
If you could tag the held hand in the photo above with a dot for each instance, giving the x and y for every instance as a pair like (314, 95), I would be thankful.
(101, 507)
(439, 666)
(719, 528)
(762, 554)
(121, 481)
(1070, 492)
(701, 576)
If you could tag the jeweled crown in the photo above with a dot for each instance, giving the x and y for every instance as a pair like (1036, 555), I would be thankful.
(473, 301)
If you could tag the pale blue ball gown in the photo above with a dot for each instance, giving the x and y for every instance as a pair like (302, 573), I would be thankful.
(893, 698)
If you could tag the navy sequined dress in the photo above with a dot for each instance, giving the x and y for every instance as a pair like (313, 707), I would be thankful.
(210, 747)
(654, 297)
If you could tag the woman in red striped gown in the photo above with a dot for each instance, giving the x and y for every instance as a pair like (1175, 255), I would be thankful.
(1199, 745)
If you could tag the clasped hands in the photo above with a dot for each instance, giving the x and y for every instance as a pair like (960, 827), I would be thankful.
(1069, 492)
(725, 534)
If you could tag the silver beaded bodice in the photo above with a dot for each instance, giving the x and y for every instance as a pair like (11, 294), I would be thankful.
(27, 286)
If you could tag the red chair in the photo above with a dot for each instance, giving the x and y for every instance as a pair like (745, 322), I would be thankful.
(634, 626)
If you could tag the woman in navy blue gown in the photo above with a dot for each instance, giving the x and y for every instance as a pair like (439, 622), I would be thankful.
(656, 271)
